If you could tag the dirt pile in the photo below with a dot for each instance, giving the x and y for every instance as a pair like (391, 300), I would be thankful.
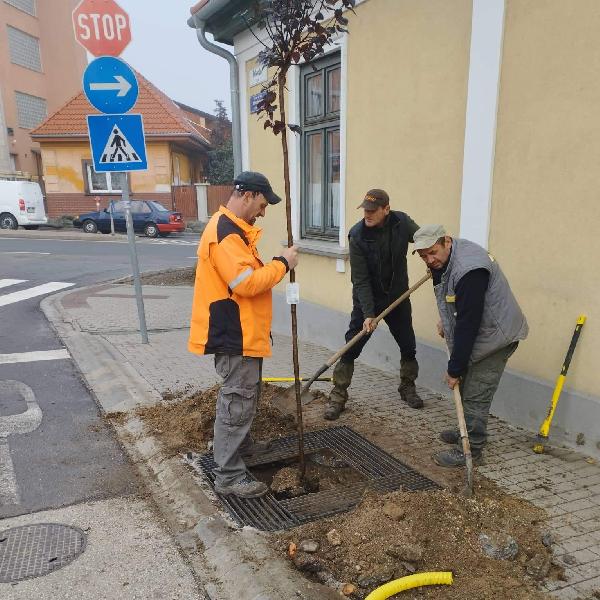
(183, 276)
(390, 536)
(184, 419)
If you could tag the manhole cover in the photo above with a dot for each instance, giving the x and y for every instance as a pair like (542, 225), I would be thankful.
(35, 550)
(378, 470)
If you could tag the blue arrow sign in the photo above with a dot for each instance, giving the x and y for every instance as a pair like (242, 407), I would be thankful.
(110, 85)
(117, 142)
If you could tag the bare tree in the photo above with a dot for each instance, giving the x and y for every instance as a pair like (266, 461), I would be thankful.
(296, 30)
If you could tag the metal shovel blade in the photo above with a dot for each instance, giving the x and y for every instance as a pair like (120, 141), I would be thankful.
(285, 401)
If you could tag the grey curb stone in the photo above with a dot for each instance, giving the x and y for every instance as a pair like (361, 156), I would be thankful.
(236, 563)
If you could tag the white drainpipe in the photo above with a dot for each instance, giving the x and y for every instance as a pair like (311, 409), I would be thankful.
(234, 83)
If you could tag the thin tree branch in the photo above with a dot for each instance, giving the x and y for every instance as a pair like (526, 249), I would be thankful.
(252, 32)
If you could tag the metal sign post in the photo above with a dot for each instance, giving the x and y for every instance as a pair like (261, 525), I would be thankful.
(139, 298)
(112, 221)
(117, 139)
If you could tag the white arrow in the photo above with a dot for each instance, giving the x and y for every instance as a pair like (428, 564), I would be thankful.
(122, 85)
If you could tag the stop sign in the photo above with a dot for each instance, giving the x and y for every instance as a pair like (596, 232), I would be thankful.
(101, 27)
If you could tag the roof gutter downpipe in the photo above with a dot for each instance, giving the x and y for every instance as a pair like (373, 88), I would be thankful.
(234, 83)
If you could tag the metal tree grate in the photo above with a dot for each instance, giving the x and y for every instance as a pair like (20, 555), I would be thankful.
(36, 550)
(382, 472)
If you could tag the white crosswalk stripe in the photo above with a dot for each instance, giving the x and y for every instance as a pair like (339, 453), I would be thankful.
(31, 292)
(8, 282)
(176, 242)
(36, 356)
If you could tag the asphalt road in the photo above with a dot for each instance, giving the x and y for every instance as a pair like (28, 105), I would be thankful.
(55, 449)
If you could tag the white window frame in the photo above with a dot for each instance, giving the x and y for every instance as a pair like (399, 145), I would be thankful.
(88, 171)
(247, 48)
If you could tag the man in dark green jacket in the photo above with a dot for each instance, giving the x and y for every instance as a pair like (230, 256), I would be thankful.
(378, 248)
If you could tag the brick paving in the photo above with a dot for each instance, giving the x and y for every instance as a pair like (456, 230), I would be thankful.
(563, 482)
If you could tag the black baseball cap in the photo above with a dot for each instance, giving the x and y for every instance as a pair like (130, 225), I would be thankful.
(374, 198)
(251, 181)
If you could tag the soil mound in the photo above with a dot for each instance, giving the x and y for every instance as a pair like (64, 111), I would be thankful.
(184, 419)
(390, 536)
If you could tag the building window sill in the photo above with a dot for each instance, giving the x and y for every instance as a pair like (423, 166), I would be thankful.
(321, 248)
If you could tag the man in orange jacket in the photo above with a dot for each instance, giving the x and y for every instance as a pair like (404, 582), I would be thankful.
(231, 318)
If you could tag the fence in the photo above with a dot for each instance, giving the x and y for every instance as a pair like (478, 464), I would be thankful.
(217, 195)
(184, 201)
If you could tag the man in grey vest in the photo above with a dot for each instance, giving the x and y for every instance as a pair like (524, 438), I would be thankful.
(481, 322)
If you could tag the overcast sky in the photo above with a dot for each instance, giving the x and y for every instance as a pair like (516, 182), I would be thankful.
(166, 51)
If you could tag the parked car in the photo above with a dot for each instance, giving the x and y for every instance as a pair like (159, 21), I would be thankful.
(149, 217)
(21, 203)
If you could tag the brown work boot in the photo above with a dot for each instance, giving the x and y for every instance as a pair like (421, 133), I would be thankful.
(409, 371)
(342, 378)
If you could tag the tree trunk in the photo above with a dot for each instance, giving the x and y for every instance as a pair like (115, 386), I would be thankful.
(288, 212)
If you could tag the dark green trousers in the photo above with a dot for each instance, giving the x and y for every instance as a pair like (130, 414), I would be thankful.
(477, 389)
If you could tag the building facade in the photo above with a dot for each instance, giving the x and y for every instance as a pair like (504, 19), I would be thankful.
(177, 143)
(478, 114)
(41, 66)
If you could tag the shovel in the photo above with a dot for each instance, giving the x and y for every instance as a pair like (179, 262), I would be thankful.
(464, 437)
(285, 402)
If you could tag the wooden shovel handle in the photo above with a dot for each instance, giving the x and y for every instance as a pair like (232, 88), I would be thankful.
(378, 318)
(464, 436)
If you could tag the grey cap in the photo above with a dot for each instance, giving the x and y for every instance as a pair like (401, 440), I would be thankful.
(427, 236)
(251, 181)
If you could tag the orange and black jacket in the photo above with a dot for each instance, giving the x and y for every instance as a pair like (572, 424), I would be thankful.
(232, 307)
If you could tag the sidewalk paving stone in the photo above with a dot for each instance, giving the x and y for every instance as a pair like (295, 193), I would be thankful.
(561, 481)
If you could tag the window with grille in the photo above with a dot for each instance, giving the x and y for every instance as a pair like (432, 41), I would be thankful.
(320, 89)
(24, 49)
(31, 110)
(27, 6)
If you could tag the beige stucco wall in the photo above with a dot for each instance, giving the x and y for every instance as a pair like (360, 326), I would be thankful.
(545, 213)
(63, 172)
(408, 64)
(406, 98)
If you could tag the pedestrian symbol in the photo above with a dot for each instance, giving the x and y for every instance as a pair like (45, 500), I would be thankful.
(117, 142)
(118, 149)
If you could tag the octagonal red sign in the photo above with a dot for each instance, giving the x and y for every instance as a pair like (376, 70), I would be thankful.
(101, 27)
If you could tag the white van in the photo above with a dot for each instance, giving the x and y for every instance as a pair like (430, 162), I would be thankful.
(21, 203)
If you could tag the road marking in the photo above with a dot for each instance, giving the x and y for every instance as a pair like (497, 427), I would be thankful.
(8, 282)
(22, 357)
(26, 252)
(38, 290)
(25, 422)
(9, 492)
(109, 241)
(138, 238)
(176, 242)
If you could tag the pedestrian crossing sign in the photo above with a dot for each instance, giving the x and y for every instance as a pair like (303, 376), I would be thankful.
(117, 142)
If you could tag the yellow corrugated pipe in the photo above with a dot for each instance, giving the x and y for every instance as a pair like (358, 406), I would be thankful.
(409, 582)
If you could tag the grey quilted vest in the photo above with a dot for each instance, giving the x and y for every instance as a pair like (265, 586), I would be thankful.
(502, 322)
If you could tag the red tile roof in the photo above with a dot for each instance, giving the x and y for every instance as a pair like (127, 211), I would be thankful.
(162, 117)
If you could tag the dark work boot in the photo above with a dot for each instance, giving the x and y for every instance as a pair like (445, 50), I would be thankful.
(455, 457)
(409, 371)
(450, 436)
(342, 378)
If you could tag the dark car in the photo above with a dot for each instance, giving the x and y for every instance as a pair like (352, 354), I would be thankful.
(149, 217)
